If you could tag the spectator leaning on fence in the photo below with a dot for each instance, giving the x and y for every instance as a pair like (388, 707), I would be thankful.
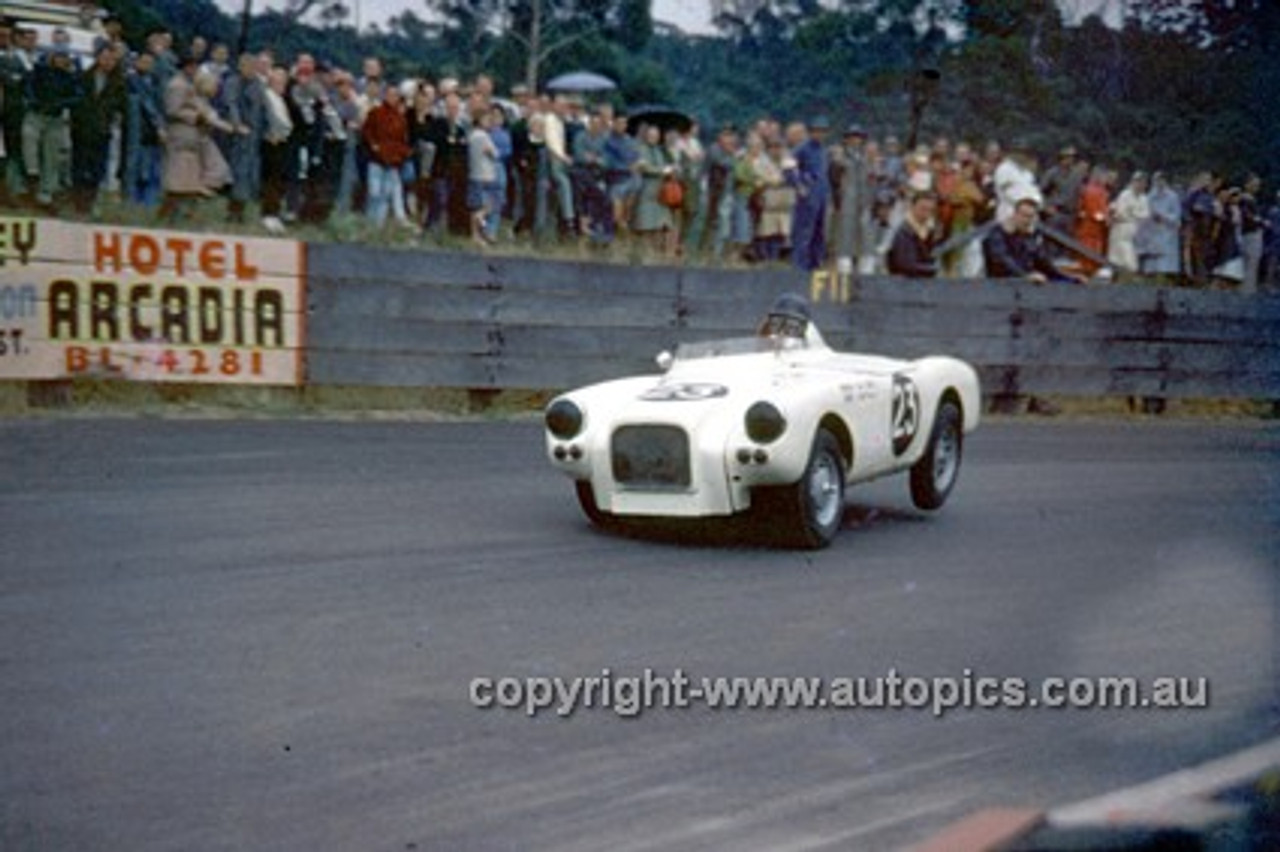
(911, 252)
(1015, 248)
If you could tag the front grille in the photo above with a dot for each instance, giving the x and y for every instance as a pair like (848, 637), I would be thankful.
(651, 457)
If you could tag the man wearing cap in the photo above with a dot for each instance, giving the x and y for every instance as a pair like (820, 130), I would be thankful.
(1061, 187)
(812, 184)
(52, 90)
(1015, 248)
(851, 197)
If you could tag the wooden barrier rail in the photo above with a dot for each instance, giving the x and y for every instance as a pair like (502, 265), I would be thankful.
(425, 319)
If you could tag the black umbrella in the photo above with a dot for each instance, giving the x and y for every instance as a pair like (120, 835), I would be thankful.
(664, 117)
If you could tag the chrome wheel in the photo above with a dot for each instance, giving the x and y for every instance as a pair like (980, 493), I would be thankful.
(808, 512)
(826, 494)
(946, 457)
(933, 476)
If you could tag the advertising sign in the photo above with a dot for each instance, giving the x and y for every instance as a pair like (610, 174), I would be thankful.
(84, 300)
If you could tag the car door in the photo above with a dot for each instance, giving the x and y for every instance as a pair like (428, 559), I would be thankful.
(885, 413)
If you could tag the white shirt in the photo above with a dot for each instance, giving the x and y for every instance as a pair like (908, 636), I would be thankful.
(553, 133)
(1014, 183)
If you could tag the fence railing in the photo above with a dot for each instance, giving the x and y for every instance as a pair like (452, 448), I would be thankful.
(460, 320)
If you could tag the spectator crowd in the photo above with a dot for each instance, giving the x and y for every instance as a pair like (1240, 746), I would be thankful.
(308, 142)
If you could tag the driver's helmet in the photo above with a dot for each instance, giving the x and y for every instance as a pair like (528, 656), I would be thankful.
(789, 317)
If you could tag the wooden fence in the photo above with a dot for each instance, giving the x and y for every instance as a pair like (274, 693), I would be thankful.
(383, 318)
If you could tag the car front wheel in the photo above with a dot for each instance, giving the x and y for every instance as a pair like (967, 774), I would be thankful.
(808, 513)
(933, 476)
(587, 500)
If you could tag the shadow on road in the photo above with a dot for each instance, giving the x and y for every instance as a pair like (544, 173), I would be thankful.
(746, 531)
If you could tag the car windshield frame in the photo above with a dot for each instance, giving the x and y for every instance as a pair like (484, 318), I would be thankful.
(731, 346)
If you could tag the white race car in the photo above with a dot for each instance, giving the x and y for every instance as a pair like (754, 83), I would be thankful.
(778, 424)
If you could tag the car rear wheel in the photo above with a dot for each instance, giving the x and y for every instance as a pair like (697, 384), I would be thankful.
(933, 476)
(808, 513)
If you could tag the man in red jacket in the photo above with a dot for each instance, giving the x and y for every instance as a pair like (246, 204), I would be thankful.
(386, 135)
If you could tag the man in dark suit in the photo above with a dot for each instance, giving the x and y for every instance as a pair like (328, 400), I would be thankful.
(102, 102)
(911, 254)
(1015, 248)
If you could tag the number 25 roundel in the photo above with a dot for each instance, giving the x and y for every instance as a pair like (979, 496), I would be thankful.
(905, 413)
(684, 392)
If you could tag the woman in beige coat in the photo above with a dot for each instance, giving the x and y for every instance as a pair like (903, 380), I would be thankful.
(193, 165)
(777, 201)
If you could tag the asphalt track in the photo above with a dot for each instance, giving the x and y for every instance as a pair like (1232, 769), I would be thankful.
(260, 635)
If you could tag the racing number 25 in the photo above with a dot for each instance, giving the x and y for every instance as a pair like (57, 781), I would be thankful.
(905, 414)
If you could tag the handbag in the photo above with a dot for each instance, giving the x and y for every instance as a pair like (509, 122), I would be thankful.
(671, 192)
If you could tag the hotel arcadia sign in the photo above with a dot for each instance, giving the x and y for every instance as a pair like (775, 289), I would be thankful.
(83, 300)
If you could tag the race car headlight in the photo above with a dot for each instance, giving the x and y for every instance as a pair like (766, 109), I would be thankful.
(564, 419)
(765, 423)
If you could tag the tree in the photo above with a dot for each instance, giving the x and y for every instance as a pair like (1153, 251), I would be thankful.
(543, 28)
(331, 12)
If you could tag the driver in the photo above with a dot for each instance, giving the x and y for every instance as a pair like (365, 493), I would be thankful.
(788, 319)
